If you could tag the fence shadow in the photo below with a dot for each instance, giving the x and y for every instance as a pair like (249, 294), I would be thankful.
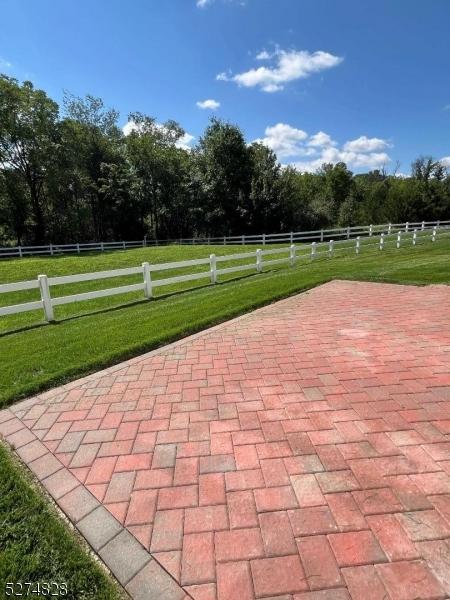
(111, 309)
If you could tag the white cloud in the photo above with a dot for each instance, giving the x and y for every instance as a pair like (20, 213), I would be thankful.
(184, 141)
(445, 160)
(321, 139)
(365, 144)
(308, 153)
(129, 127)
(263, 55)
(288, 66)
(208, 104)
(284, 140)
(203, 3)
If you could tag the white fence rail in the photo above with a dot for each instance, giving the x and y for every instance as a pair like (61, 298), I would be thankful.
(319, 235)
(212, 272)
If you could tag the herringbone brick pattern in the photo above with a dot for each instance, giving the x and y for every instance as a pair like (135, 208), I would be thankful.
(301, 452)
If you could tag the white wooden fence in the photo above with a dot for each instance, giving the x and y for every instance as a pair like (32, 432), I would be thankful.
(212, 269)
(319, 235)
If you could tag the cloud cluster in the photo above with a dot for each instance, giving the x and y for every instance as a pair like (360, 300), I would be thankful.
(286, 66)
(308, 152)
(284, 140)
(365, 144)
(209, 104)
(445, 160)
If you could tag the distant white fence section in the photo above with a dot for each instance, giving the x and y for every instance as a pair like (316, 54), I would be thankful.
(213, 270)
(319, 235)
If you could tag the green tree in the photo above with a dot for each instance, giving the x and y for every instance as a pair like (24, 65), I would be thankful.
(160, 168)
(336, 182)
(92, 139)
(224, 164)
(264, 188)
(14, 207)
(28, 141)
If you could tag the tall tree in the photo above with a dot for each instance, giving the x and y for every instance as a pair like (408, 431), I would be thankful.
(91, 131)
(159, 166)
(337, 183)
(264, 188)
(225, 167)
(28, 141)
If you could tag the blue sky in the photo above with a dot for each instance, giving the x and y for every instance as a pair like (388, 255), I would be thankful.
(317, 80)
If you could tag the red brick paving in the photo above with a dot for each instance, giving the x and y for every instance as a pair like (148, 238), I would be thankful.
(301, 452)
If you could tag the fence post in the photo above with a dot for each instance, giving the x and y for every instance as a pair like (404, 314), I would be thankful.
(313, 249)
(321, 235)
(358, 241)
(399, 239)
(330, 248)
(438, 224)
(20, 251)
(433, 236)
(370, 229)
(51, 249)
(292, 238)
(382, 241)
(102, 246)
(209, 241)
(123, 245)
(147, 280)
(264, 239)
(348, 232)
(224, 240)
(46, 298)
(259, 260)
(407, 226)
(292, 255)
(389, 228)
(78, 248)
(213, 267)
(423, 225)
(414, 237)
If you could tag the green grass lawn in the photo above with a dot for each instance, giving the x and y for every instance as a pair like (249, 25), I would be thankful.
(36, 546)
(97, 333)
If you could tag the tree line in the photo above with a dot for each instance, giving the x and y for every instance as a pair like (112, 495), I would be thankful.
(70, 174)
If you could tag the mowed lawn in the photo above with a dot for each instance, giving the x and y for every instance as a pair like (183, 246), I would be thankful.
(97, 333)
(35, 544)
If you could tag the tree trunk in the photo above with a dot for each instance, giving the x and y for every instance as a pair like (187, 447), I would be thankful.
(39, 224)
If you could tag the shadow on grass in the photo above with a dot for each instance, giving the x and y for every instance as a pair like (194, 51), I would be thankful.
(126, 305)
(144, 347)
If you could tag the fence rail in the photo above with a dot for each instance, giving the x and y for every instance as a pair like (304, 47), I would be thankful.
(260, 239)
(329, 248)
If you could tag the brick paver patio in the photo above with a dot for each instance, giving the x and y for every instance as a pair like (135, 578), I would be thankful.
(301, 452)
